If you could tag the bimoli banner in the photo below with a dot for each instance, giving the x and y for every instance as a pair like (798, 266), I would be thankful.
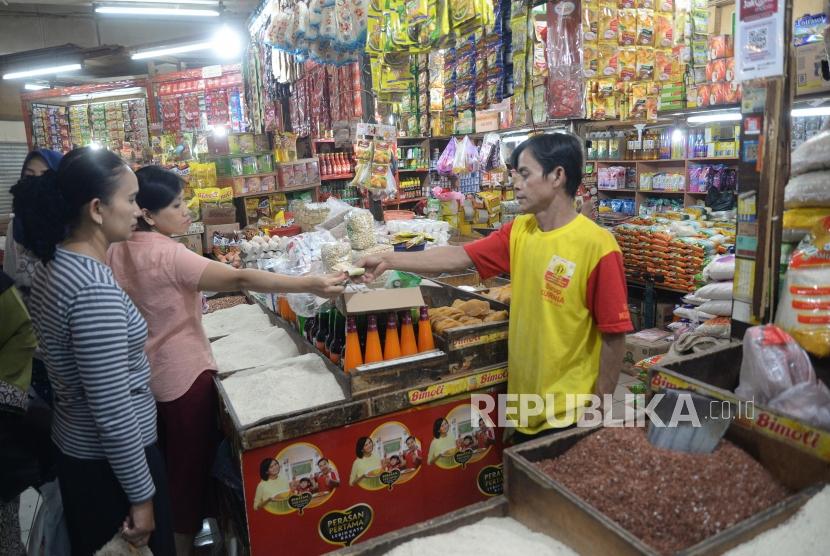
(332, 489)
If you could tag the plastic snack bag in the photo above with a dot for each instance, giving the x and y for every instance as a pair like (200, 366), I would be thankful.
(645, 27)
(444, 165)
(776, 372)
(627, 35)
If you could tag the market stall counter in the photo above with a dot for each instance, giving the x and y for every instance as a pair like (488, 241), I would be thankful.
(395, 450)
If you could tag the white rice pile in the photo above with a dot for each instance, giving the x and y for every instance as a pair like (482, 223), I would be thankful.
(492, 536)
(243, 350)
(291, 385)
(239, 318)
(805, 534)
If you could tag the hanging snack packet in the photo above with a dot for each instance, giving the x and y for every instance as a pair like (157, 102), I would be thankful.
(645, 63)
(627, 35)
(608, 22)
(590, 59)
(628, 63)
(625, 4)
(665, 6)
(590, 21)
(607, 59)
(378, 179)
(382, 152)
(645, 27)
(519, 71)
(363, 150)
(663, 31)
(645, 4)
(663, 64)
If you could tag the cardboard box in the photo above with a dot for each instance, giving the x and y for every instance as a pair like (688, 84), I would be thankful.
(643, 344)
(213, 214)
(192, 242)
(663, 314)
(210, 229)
(808, 69)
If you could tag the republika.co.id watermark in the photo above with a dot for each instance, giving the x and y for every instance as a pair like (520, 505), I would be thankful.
(588, 410)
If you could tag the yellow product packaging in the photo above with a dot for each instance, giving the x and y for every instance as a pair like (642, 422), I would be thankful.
(519, 70)
(378, 177)
(518, 28)
(609, 22)
(607, 59)
(193, 209)
(665, 6)
(590, 21)
(604, 107)
(804, 218)
(625, 4)
(590, 60)
(628, 63)
(645, 4)
(375, 37)
(627, 35)
(462, 12)
(645, 63)
(663, 30)
(645, 27)
(639, 97)
(207, 194)
(663, 64)
(417, 11)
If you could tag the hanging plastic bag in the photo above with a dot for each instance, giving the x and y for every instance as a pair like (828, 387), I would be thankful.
(566, 85)
(777, 372)
(472, 156)
(459, 162)
(445, 161)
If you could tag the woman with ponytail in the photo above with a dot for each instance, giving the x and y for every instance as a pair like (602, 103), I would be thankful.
(92, 338)
(165, 280)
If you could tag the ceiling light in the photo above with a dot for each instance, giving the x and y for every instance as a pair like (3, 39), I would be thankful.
(35, 87)
(806, 112)
(149, 10)
(716, 117)
(158, 52)
(227, 43)
(42, 71)
(129, 91)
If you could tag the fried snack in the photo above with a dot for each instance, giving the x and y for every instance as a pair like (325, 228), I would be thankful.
(442, 325)
(496, 316)
(475, 307)
(457, 303)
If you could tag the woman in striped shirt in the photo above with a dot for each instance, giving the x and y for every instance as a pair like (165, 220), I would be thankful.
(92, 337)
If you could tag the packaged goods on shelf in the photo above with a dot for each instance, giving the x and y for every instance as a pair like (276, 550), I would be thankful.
(651, 248)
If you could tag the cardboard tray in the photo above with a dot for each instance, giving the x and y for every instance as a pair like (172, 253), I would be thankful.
(547, 506)
(717, 373)
(468, 347)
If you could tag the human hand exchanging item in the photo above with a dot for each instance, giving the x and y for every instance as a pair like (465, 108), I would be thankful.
(328, 285)
(375, 265)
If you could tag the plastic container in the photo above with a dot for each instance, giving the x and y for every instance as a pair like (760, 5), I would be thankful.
(402, 247)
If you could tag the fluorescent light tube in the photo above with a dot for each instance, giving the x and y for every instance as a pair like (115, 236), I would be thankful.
(42, 71)
(716, 117)
(157, 52)
(146, 10)
(34, 87)
(806, 112)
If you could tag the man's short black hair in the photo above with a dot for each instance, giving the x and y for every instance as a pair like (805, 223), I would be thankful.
(553, 150)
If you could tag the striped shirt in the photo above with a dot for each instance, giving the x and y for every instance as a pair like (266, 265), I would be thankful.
(92, 338)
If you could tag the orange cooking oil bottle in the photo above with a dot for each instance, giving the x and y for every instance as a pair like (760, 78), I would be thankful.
(409, 346)
(353, 357)
(425, 340)
(373, 353)
(392, 344)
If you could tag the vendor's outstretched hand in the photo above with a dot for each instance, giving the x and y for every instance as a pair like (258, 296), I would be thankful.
(330, 285)
(374, 265)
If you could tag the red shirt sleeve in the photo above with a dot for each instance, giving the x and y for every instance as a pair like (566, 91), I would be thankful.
(491, 254)
(608, 295)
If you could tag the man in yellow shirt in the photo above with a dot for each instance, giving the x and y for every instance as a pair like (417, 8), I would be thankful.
(569, 311)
